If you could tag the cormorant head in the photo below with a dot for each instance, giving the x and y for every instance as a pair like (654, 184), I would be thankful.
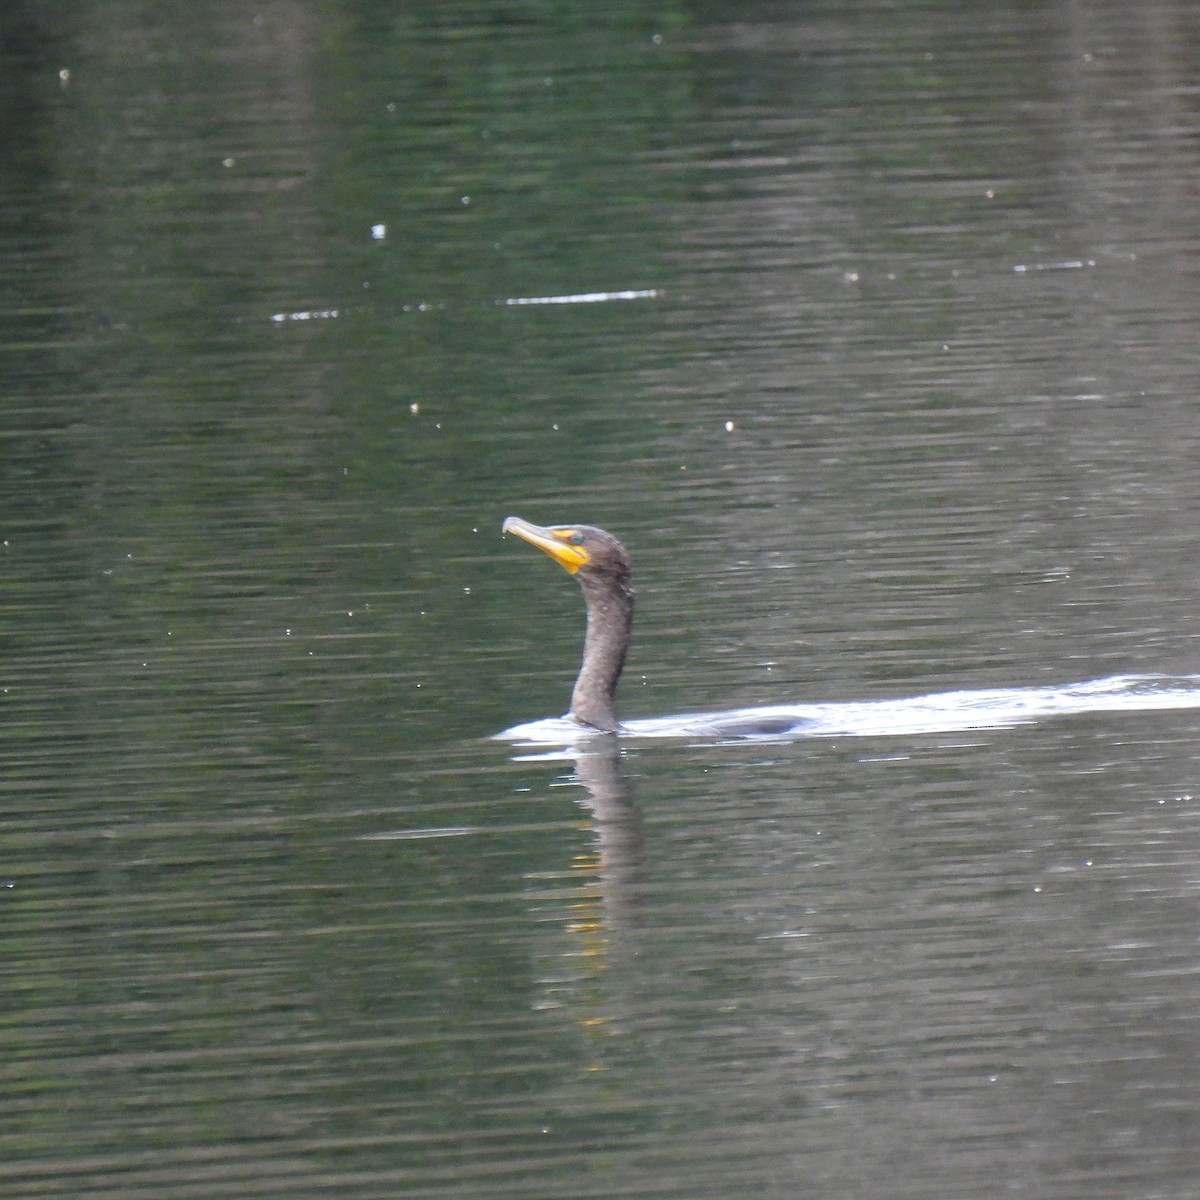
(586, 552)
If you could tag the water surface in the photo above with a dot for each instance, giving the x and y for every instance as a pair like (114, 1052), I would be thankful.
(873, 336)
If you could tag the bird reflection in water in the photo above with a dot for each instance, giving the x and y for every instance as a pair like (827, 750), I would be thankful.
(618, 830)
(605, 896)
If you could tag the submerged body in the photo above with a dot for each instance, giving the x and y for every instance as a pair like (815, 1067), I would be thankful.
(912, 716)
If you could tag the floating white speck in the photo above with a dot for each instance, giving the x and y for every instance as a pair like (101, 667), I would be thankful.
(1074, 264)
(315, 314)
(587, 297)
(379, 232)
(412, 835)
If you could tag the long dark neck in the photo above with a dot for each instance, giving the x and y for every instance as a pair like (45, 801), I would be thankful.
(609, 620)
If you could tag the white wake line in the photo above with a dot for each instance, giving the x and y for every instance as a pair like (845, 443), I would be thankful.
(331, 314)
(587, 297)
(942, 712)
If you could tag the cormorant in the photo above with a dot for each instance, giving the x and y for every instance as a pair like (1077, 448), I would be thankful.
(601, 565)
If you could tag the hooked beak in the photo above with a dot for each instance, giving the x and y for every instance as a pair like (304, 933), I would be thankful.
(555, 541)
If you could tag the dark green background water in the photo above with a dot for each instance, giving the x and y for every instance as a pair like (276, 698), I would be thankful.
(278, 918)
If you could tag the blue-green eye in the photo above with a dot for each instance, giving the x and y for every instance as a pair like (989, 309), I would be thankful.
(576, 539)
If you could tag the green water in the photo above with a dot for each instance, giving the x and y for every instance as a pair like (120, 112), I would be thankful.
(908, 407)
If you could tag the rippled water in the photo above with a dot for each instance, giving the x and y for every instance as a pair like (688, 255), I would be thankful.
(872, 331)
